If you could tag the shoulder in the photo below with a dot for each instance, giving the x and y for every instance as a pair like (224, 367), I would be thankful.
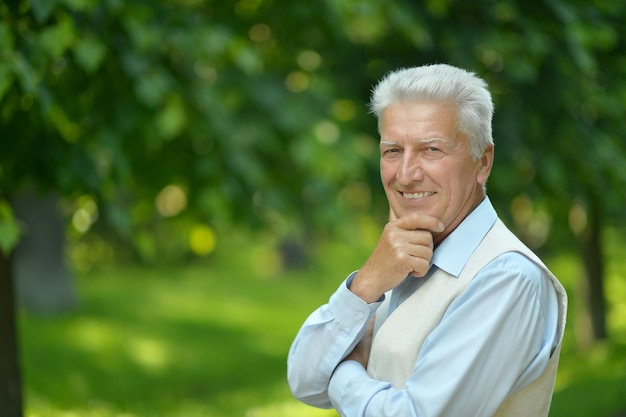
(517, 270)
(515, 261)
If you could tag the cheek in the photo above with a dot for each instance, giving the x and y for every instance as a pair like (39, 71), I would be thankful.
(387, 173)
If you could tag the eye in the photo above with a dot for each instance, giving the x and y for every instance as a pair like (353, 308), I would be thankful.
(433, 152)
(390, 151)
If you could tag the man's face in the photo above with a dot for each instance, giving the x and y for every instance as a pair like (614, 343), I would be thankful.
(426, 164)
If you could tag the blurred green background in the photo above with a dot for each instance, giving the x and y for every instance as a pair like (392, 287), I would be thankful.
(182, 182)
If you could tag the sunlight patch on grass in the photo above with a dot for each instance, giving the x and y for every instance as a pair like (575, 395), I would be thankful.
(289, 409)
(615, 284)
(150, 354)
(41, 408)
(616, 296)
(93, 335)
(99, 337)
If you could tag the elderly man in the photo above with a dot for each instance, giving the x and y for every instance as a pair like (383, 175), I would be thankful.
(451, 315)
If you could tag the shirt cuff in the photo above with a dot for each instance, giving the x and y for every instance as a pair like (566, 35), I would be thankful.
(349, 280)
(344, 303)
(343, 381)
(351, 389)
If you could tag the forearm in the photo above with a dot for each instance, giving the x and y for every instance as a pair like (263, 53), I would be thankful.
(324, 340)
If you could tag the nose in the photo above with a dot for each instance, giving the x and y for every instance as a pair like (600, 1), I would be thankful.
(410, 169)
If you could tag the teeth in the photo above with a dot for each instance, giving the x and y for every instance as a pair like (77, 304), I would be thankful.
(417, 195)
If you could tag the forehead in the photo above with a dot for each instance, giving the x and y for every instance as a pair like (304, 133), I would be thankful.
(419, 120)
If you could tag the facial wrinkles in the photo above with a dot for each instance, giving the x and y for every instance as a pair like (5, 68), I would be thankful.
(444, 145)
(407, 131)
(447, 144)
(417, 156)
(384, 143)
(410, 170)
(445, 185)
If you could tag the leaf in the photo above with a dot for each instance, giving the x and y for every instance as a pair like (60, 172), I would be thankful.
(119, 218)
(42, 9)
(7, 40)
(153, 86)
(81, 4)
(66, 127)
(171, 120)
(90, 53)
(144, 35)
(6, 79)
(55, 40)
(9, 228)
(245, 58)
(6, 45)
(25, 74)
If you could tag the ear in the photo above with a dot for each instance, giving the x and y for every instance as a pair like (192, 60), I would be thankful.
(486, 162)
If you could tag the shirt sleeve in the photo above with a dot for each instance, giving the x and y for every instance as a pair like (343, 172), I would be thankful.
(327, 336)
(494, 339)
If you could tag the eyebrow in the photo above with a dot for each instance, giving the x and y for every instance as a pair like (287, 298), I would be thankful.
(435, 139)
(421, 141)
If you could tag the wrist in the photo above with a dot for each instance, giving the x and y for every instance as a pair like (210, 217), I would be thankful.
(365, 289)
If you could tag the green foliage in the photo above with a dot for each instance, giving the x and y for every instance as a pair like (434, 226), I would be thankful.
(9, 228)
(256, 109)
(120, 99)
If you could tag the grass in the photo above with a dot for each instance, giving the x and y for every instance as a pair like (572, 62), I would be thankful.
(211, 340)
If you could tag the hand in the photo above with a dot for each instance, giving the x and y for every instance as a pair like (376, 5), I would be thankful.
(405, 248)
(361, 352)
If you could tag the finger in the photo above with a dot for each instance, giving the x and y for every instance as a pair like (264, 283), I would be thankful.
(419, 221)
(420, 267)
(421, 251)
(414, 240)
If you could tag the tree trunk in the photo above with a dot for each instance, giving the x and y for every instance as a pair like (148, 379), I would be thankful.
(594, 274)
(10, 382)
(43, 282)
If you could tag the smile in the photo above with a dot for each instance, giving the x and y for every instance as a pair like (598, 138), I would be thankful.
(417, 195)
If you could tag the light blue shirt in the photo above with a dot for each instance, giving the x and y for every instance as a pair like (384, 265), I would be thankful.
(493, 339)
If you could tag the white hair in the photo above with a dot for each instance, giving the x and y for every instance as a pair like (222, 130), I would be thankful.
(442, 83)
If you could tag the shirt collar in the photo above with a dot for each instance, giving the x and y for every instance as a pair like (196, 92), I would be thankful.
(453, 253)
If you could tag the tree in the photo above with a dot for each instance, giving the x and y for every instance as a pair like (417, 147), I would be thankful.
(10, 381)
(253, 111)
(120, 101)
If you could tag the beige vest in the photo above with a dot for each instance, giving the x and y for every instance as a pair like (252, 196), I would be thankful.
(397, 340)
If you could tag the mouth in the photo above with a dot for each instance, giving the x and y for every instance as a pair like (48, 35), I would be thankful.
(417, 196)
